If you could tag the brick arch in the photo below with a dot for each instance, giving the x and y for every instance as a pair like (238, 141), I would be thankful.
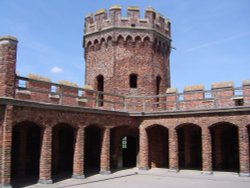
(102, 41)
(88, 44)
(29, 122)
(138, 38)
(155, 125)
(95, 124)
(225, 146)
(120, 37)
(213, 124)
(147, 38)
(129, 38)
(185, 124)
(189, 146)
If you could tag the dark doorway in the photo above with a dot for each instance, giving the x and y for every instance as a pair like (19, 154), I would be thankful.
(100, 87)
(189, 144)
(158, 146)
(225, 147)
(92, 150)
(128, 151)
(63, 151)
(25, 153)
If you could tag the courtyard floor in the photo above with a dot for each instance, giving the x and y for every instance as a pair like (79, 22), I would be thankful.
(158, 178)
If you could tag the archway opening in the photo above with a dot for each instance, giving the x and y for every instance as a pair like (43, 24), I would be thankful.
(62, 151)
(25, 153)
(100, 87)
(129, 147)
(124, 147)
(225, 147)
(189, 145)
(92, 151)
(158, 146)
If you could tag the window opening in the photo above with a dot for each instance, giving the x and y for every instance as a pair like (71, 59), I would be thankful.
(133, 80)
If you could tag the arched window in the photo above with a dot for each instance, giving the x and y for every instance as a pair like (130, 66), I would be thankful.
(133, 80)
(158, 85)
(100, 87)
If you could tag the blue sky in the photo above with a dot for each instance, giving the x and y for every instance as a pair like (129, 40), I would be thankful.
(212, 37)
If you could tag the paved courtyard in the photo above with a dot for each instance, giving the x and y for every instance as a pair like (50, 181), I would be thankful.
(157, 178)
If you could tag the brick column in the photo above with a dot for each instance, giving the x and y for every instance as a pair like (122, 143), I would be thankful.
(244, 151)
(173, 151)
(46, 157)
(8, 49)
(6, 147)
(206, 151)
(22, 142)
(143, 149)
(78, 166)
(105, 152)
(55, 150)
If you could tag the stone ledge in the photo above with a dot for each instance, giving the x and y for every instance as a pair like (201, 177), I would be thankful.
(8, 38)
(23, 91)
(133, 8)
(82, 100)
(220, 85)
(54, 96)
(150, 9)
(198, 87)
(101, 11)
(246, 83)
(67, 83)
(171, 90)
(88, 87)
(115, 7)
(39, 78)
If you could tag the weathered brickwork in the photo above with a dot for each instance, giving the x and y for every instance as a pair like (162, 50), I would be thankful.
(62, 128)
(127, 46)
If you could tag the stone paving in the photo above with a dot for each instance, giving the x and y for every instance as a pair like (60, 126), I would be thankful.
(132, 178)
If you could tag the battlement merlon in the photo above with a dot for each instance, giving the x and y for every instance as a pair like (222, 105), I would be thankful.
(152, 20)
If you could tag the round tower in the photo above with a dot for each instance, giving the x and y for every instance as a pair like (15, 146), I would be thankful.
(127, 55)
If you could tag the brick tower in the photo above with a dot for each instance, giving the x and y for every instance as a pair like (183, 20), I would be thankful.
(130, 55)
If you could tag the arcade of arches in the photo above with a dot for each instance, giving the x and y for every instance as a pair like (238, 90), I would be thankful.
(44, 151)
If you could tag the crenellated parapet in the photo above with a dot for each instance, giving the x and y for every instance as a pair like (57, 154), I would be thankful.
(102, 26)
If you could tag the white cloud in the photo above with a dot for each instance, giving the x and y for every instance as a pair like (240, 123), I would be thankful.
(56, 70)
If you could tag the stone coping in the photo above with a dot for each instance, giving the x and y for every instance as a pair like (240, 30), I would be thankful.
(133, 8)
(67, 83)
(150, 9)
(101, 11)
(246, 83)
(88, 87)
(220, 85)
(171, 90)
(8, 37)
(198, 87)
(37, 77)
(115, 7)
